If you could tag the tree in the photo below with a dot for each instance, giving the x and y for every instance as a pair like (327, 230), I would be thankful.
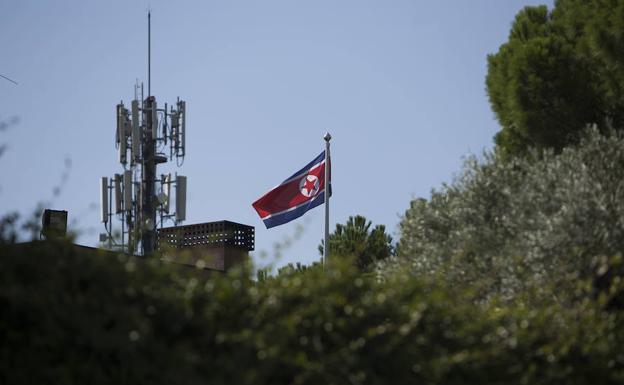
(515, 225)
(558, 72)
(356, 239)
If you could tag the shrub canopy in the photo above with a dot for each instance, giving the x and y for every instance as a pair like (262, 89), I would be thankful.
(511, 225)
(70, 318)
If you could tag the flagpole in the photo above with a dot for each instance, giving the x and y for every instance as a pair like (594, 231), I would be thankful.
(327, 138)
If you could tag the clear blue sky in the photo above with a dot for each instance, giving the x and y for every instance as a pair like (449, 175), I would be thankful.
(399, 84)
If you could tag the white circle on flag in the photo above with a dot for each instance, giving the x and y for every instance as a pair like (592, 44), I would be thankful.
(309, 186)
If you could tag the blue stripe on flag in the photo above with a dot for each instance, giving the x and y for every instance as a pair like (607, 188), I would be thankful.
(316, 160)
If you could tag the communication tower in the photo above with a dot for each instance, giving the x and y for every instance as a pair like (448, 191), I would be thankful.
(145, 137)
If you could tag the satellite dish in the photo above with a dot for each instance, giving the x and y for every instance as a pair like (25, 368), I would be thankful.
(162, 198)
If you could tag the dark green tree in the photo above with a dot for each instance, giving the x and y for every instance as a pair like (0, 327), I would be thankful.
(559, 72)
(355, 238)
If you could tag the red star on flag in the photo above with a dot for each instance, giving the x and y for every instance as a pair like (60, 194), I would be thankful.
(309, 185)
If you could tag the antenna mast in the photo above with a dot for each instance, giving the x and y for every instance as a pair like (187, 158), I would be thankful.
(138, 202)
(149, 53)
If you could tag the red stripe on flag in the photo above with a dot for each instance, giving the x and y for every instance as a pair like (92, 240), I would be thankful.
(288, 195)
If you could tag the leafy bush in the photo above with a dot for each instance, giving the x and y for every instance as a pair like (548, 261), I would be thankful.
(510, 225)
(72, 316)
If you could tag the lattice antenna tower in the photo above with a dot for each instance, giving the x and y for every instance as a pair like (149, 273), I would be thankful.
(150, 136)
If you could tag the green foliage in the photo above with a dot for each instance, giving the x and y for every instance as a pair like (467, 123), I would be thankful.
(508, 226)
(558, 72)
(294, 268)
(72, 317)
(356, 239)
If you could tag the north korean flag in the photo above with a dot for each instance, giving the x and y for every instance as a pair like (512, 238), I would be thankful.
(303, 191)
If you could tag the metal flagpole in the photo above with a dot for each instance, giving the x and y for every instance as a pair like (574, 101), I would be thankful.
(327, 138)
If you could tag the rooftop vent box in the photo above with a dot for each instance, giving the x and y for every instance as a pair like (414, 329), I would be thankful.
(54, 223)
(212, 245)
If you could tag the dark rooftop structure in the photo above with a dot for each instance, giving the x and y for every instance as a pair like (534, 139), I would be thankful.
(217, 245)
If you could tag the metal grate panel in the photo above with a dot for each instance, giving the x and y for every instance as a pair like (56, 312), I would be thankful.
(221, 233)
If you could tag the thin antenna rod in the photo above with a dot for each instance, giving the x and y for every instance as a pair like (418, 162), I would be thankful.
(149, 53)
(12, 81)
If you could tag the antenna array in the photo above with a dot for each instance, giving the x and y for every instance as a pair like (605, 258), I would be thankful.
(145, 137)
